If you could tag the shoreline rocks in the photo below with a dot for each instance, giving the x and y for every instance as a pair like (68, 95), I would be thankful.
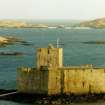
(51, 100)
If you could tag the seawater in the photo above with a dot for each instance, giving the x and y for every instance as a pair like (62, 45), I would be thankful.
(75, 51)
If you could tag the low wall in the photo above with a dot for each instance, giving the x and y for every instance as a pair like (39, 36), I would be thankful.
(66, 80)
(32, 81)
(84, 81)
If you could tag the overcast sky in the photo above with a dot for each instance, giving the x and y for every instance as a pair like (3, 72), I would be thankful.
(52, 9)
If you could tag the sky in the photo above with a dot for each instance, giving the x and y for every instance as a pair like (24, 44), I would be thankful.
(52, 9)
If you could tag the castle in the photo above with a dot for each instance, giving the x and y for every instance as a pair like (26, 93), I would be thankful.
(51, 77)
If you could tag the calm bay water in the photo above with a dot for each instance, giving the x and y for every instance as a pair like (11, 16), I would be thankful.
(75, 52)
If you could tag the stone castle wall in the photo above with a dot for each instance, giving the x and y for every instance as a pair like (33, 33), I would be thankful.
(84, 80)
(66, 80)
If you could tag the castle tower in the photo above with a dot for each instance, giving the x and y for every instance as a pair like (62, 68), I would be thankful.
(49, 57)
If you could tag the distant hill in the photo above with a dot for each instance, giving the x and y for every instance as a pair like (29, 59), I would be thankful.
(19, 24)
(98, 23)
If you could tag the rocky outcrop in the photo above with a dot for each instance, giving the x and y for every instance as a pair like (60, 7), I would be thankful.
(4, 41)
(11, 53)
(7, 40)
(94, 42)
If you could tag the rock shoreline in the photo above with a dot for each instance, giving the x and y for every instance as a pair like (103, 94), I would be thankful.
(55, 99)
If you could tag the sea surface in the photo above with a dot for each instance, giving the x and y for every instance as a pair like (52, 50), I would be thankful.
(75, 51)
